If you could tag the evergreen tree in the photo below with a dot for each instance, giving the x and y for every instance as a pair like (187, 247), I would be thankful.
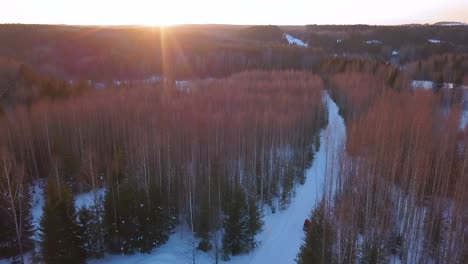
(317, 247)
(92, 231)
(119, 218)
(135, 222)
(236, 226)
(203, 228)
(439, 83)
(154, 224)
(61, 238)
(255, 221)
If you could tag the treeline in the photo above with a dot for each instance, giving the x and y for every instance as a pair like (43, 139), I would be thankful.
(411, 42)
(199, 51)
(268, 33)
(22, 85)
(135, 53)
(449, 68)
(209, 156)
(354, 84)
(400, 193)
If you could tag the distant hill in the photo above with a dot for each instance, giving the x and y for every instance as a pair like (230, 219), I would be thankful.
(448, 23)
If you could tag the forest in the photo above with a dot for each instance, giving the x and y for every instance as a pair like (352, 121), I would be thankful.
(215, 151)
(214, 129)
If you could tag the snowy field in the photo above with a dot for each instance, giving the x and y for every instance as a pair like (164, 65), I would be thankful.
(295, 41)
(282, 233)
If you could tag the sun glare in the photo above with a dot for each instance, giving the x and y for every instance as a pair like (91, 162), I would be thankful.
(162, 13)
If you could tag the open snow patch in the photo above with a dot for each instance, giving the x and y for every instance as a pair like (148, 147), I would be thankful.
(434, 41)
(422, 84)
(374, 42)
(295, 41)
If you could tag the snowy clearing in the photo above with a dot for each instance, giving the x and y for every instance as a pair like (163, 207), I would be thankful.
(295, 41)
(282, 234)
(434, 41)
(422, 84)
(374, 42)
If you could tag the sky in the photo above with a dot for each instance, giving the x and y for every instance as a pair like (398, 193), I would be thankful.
(279, 12)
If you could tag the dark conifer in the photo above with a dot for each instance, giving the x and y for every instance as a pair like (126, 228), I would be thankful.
(255, 222)
(236, 225)
(61, 238)
(317, 247)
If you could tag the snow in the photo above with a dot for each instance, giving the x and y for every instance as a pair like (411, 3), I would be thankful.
(434, 41)
(464, 114)
(394, 260)
(423, 84)
(81, 200)
(295, 41)
(282, 234)
(374, 42)
(28, 258)
(88, 199)
(37, 204)
(450, 24)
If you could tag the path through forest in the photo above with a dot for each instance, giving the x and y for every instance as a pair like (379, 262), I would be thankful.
(282, 233)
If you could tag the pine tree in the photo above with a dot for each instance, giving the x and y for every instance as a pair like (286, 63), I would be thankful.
(61, 238)
(317, 247)
(92, 231)
(203, 228)
(154, 223)
(255, 222)
(120, 218)
(439, 84)
(236, 226)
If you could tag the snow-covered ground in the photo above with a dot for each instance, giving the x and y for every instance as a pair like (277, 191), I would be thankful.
(464, 115)
(422, 84)
(434, 41)
(295, 41)
(88, 199)
(81, 200)
(282, 233)
(374, 42)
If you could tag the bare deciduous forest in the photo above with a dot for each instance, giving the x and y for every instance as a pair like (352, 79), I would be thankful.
(214, 129)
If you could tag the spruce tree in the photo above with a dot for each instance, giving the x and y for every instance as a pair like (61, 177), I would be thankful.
(120, 207)
(203, 227)
(154, 223)
(236, 226)
(92, 231)
(317, 247)
(61, 238)
(255, 222)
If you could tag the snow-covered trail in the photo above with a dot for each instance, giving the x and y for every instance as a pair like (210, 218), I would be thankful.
(282, 233)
